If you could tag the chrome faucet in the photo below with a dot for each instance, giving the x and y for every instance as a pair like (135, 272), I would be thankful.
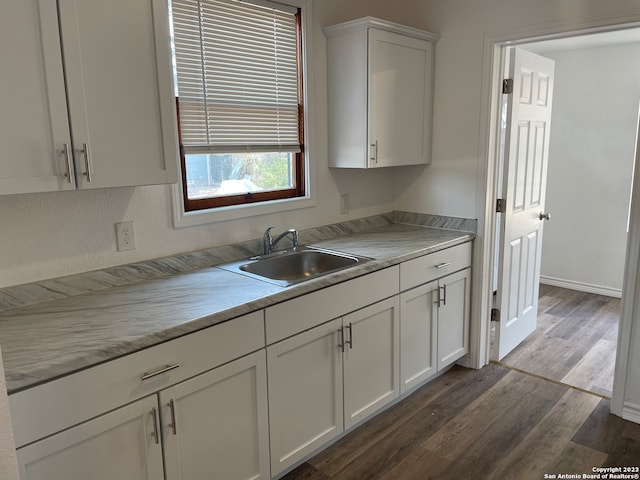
(268, 242)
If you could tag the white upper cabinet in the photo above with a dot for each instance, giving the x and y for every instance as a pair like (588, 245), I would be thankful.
(380, 88)
(118, 102)
(33, 120)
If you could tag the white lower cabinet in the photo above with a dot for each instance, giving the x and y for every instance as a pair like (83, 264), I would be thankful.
(330, 377)
(215, 425)
(371, 359)
(434, 324)
(122, 444)
(419, 338)
(453, 317)
(305, 393)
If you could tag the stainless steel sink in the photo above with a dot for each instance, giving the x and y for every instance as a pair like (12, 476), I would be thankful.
(290, 267)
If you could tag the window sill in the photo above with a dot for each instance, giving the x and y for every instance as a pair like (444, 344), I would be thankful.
(182, 219)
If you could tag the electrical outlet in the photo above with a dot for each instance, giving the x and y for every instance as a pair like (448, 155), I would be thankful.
(125, 237)
(344, 203)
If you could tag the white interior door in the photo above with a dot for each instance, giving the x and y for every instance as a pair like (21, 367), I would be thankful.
(525, 172)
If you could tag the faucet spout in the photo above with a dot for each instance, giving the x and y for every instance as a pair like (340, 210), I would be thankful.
(269, 242)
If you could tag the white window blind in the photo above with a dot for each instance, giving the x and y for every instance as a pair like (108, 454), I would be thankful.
(237, 75)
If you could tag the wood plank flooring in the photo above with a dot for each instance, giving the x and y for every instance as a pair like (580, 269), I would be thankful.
(493, 423)
(575, 341)
(501, 422)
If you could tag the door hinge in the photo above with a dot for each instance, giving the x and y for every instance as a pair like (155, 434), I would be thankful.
(507, 86)
(495, 315)
(501, 205)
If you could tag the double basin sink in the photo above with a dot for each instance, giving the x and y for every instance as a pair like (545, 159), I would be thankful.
(289, 267)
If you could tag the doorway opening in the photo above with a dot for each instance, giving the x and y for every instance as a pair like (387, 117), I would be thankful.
(583, 253)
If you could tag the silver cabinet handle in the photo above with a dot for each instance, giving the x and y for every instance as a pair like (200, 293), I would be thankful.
(172, 410)
(350, 342)
(442, 265)
(155, 434)
(545, 216)
(87, 161)
(341, 344)
(160, 371)
(441, 298)
(374, 152)
(67, 162)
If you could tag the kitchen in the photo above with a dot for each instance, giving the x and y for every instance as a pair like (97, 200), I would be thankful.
(58, 234)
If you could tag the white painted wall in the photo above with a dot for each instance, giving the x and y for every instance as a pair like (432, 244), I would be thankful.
(448, 186)
(56, 234)
(593, 130)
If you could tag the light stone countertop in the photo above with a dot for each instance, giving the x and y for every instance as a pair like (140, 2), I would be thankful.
(43, 341)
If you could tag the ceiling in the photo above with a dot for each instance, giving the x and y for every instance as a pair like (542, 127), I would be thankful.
(631, 35)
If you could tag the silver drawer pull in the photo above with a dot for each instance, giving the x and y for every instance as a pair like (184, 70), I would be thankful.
(442, 265)
(160, 371)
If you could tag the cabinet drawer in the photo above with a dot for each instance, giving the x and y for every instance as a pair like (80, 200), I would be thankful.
(435, 265)
(62, 403)
(305, 312)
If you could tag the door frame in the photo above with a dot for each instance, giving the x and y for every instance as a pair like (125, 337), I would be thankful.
(494, 49)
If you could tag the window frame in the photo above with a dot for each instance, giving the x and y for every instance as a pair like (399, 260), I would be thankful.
(259, 203)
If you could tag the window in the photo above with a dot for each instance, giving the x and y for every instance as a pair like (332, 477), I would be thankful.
(239, 98)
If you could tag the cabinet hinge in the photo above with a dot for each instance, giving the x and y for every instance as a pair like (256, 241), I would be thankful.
(507, 86)
(501, 205)
(495, 315)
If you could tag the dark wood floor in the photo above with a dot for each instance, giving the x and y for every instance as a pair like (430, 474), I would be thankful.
(501, 422)
(575, 341)
(493, 423)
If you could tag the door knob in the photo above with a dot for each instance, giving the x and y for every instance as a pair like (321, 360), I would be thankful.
(545, 216)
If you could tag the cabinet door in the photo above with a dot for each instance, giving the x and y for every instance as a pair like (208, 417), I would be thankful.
(418, 335)
(33, 120)
(121, 101)
(399, 99)
(453, 317)
(122, 444)
(215, 425)
(305, 393)
(371, 359)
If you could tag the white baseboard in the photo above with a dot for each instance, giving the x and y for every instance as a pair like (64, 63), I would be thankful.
(631, 412)
(581, 287)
